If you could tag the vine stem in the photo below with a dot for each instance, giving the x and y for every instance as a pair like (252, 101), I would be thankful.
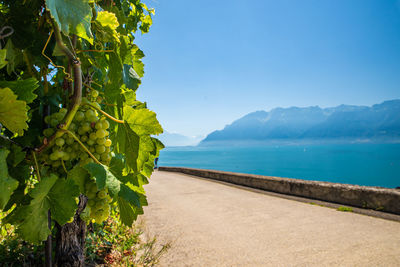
(36, 165)
(63, 165)
(82, 145)
(104, 113)
(93, 50)
(76, 98)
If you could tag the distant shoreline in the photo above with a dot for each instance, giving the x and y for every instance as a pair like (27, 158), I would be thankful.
(330, 141)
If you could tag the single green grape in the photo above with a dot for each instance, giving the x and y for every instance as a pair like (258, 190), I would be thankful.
(47, 119)
(48, 132)
(100, 149)
(106, 157)
(102, 194)
(53, 122)
(59, 116)
(93, 119)
(101, 133)
(69, 141)
(105, 124)
(93, 136)
(81, 131)
(101, 141)
(94, 93)
(84, 138)
(89, 113)
(108, 142)
(79, 116)
(90, 142)
(53, 156)
(72, 127)
(59, 153)
(99, 125)
(86, 126)
(65, 157)
(60, 142)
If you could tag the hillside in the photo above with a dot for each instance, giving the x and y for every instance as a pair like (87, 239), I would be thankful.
(344, 122)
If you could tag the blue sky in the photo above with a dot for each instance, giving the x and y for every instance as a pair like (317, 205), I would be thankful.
(210, 62)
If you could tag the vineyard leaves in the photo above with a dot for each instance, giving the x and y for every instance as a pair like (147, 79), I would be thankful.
(104, 178)
(32, 86)
(13, 112)
(72, 16)
(7, 184)
(3, 61)
(52, 193)
(142, 121)
(22, 88)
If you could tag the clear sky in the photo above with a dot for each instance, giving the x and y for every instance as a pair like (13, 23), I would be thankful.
(210, 62)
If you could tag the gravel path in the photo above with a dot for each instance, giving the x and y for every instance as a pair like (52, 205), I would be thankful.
(211, 224)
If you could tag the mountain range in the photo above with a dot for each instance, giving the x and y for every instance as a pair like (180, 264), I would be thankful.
(380, 122)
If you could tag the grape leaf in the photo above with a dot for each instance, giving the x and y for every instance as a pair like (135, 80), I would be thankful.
(142, 121)
(13, 112)
(16, 155)
(62, 200)
(104, 178)
(72, 16)
(132, 55)
(130, 77)
(22, 88)
(109, 24)
(51, 193)
(146, 147)
(7, 184)
(3, 61)
(128, 144)
(129, 195)
(80, 176)
(127, 212)
(11, 57)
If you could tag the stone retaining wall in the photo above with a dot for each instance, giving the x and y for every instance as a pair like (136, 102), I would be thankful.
(377, 198)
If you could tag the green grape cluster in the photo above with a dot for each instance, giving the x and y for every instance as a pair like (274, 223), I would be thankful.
(65, 152)
(98, 208)
(89, 127)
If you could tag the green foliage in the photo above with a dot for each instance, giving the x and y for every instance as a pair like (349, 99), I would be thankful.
(58, 135)
(72, 16)
(51, 193)
(22, 88)
(7, 184)
(345, 209)
(13, 112)
(113, 244)
(107, 244)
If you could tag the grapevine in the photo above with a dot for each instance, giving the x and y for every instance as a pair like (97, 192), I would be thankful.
(75, 143)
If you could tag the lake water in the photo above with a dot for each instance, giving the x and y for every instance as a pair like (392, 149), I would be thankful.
(362, 164)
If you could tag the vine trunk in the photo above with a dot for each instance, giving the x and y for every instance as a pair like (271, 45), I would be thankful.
(70, 240)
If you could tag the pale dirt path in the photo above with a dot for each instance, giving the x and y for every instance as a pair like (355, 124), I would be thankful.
(212, 224)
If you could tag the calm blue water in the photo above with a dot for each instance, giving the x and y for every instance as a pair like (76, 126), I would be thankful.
(362, 164)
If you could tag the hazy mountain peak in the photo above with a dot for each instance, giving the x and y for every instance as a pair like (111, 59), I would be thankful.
(344, 121)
